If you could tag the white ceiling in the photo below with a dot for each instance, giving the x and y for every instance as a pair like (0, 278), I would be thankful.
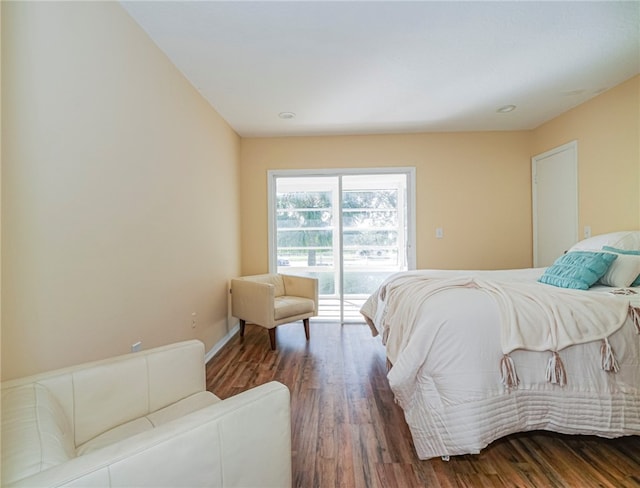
(389, 66)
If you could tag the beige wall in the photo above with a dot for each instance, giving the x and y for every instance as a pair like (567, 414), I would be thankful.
(476, 186)
(607, 129)
(119, 191)
(120, 211)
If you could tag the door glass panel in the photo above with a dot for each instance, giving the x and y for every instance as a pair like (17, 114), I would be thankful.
(374, 232)
(305, 229)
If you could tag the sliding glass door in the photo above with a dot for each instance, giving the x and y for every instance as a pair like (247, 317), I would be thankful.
(350, 230)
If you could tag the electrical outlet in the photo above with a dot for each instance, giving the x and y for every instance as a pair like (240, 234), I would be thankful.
(587, 231)
(193, 320)
(439, 233)
(136, 347)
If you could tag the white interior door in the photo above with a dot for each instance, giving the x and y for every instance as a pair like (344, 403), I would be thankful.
(555, 203)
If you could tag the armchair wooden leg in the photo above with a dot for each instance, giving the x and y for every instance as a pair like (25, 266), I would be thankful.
(272, 338)
(306, 328)
(242, 322)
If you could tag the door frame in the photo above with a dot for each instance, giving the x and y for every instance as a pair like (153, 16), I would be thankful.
(570, 146)
(409, 172)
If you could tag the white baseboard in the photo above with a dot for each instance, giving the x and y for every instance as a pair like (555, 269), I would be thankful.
(221, 343)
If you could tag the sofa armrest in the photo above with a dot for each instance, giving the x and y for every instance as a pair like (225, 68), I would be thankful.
(242, 441)
(253, 302)
(302, 286)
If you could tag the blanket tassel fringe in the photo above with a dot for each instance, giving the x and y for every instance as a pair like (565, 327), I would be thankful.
(555, 370)
(508, 371)
(609, 362)
(634, 312)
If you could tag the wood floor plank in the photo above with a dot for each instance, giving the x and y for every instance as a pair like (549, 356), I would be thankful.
(347, 431)
(396, 474)
(343, 463)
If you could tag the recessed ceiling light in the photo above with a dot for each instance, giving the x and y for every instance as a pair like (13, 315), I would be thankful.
(506, 109)
(286, 115)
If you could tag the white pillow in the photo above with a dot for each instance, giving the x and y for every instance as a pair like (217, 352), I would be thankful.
(622, 272)
(627, 240)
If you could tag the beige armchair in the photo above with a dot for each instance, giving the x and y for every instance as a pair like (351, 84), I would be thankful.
(270, 300)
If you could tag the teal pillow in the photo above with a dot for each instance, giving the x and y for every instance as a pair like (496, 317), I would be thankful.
(578, 270)
(636, 282)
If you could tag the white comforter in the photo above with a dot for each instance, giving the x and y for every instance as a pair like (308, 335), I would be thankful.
(446, 350)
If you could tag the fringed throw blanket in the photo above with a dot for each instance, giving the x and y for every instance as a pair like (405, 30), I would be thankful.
(541, 318)
(533, 316)
(634, 312)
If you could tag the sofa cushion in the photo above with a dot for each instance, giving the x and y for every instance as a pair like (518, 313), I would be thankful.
(114, 435)
(287, 306)
(177, 410)
(182, 408)
(36, 433)
(109, 394)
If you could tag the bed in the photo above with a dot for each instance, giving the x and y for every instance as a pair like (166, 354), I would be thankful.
(478, 355)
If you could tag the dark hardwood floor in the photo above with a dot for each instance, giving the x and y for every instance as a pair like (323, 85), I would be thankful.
(348, 432)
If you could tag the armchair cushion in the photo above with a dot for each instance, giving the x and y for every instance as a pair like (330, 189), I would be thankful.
(277, 282)
(288, 306)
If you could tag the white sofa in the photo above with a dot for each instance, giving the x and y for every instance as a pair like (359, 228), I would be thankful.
(143, 419)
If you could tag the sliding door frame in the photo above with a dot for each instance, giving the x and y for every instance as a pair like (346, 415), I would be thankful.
(273, 175)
